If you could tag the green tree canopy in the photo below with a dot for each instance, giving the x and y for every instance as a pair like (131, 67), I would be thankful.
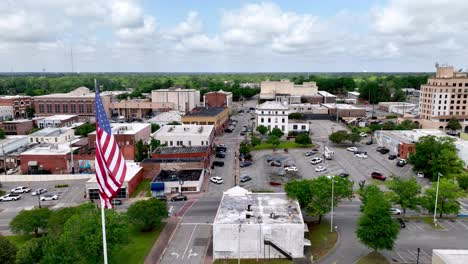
(29, 221)
(2, 133)
(315, 195)
(85, 129)
(32, 251)
(338, 136)
(376, 228)
(154, 128)
(295, 116)
(447, 201)
(174, 123)
(353, 137)
(255, 141)
(147, 214)
(244, 148)
(399, 96)
(303, 139)
(274, 140)
(406, 125)
(262, 129)
(141, 151)
(7, 251)
(389, 125)
(277, 132)
(454, 124)
(405, 192)
(365, 192)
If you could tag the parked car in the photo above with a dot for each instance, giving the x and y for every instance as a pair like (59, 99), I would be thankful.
(10, 197)
(179, 198)
(245, 156)
(245, 178)
(290, 168)
(275, 163)
(392, 157)
(309, 153)
(401, 163)
(362, 134)
(343, 174)
(161, 197)
(220, 155)
(400, 222)
(352, 149)
(116, 202)
(21, 189)
(245, 164)
(395, 211)
(39, 191)
(420, 175)
(378, 176)
(384, 151)
(221, 149)
(49, 197)
(316, 160)
(242, 133)
(320, 168)
(216, 179)
(370, 142)
(228, 130)
(361, 155)
(379, 148)
(218, 163)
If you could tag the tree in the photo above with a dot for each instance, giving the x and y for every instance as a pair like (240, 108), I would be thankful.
(303, 139)
(31, 252)
(376, 228)
(295, 116)
(366, 191)
(453, 124)
(405, 192)
(7, 251)
(173, 123)
(447, 201)
(58, 218)
(244, 149)
(141, 152)
(255, 141)
(2, 133)
(154, 128)
(85, 129)
(147, 214)
(436, 155)
(274, 140)
(28, 221)
(315, 195)
(406, 125)
(399, 96)
(353, 137)
(29, 111)
(338, 136)
(154, 144)
(373, 127)
(389, 125)
(462, 180)
(277, 132)
(262, 129)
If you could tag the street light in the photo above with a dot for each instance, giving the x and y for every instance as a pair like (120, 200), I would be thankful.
(437, 194)
(333, 190)
(181, 182)
(38, 199)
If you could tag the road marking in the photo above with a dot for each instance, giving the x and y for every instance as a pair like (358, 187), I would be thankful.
(426, 254)
(190, 254)
(404, 260)
(461, 222)
(176, 255)
(411, 253)
(420, 228)
(188, 243)
(196, 224)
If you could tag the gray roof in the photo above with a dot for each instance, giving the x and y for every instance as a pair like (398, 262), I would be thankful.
(180, 150)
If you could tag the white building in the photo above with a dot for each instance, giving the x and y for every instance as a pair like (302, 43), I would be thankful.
(6, 112)
(52, 135)
(258, 225)
(57, 121)
(185, 135)
(175, 181)
(298, 126)
(273, 115)
(449, 256)
(166, 117)
(184, 100)
(269, 89)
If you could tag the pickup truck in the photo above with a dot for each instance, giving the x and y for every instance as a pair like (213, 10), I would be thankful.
(10, 197)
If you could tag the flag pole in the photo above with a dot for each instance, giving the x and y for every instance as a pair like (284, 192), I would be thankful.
(103, 218)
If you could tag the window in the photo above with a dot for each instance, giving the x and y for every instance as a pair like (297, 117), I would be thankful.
(65, 108)
(41, 108)
(37, 140)
(190, 143)
(276, 120)
(282, 128)
(189, 189)
(295, 127)
(282, 120)
(202, 143)
(49, 108)
(269, 120)
(57, 108)
(55, 140)
(207, 142)
(81, 108)
(89, 109)
(170, 143)
(303, 127)
(31, 140)
(261, 120)
(73, 108)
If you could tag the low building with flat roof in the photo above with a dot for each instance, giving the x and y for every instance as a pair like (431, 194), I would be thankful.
(177, 181)
(449, 256)
(46, 159)
(152, 166)
(17, 127)
(345, 110)
(10, 146)
(57, 121)
(52, 135)
(185, 135)
(396, 107)
(258, 225)
(166, 117)
(216, 116)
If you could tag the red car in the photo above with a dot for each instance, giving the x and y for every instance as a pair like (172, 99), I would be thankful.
(378, 176)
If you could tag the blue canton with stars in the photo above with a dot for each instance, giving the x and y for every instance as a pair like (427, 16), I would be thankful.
(101, 117)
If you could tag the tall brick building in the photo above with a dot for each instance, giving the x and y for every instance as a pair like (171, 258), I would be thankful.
(218, 99)
(18, 102)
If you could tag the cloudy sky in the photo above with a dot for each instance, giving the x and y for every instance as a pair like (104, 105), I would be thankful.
(232, 36)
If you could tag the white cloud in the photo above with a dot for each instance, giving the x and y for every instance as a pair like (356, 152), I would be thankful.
(190, 26)
(126, 14)
(200, 43)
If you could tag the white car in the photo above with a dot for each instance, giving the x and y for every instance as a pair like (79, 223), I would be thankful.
(21, 189)
(320, 168)
(39, 191)
(10, 197)
(395, 211)
(352, 149)
(362, 134)
(216, 179)
(316, 160)
(49, 197)
(420, 174)
(361, 155)
(290, 168)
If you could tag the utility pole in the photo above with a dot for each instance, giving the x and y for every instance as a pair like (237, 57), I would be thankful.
(4, 160)
(71, 156)
(437, 194)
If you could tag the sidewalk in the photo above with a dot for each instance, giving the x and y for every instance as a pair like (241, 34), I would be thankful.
(163, 240)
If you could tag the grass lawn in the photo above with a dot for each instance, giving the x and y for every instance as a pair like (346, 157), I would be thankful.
(464, 136)
(373, 258)
(282, 145)
(19, 240)
(143, 186)
(137, 248)
(252, 261)
(321, 238)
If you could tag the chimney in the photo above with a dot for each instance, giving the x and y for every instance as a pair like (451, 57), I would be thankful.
(249, 207)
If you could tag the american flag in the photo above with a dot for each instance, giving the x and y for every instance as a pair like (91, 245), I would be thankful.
(110, 164)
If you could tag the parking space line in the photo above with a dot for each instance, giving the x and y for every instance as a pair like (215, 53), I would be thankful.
(404, 260)
(419, 227)
(461, 222)
(430, 257)
(411, 253)
(450, 224)
(188, 242)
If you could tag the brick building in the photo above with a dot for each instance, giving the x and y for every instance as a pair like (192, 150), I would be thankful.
(203, 152)
(152, 166)
(18, 102)
(218, 99)
(126, 136)
(6, 112)
(17, 127)
(47, 158)
(216, 116)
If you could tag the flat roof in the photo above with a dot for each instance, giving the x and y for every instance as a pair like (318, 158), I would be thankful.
(411, 136)
(452, 256)
(206, 111)
(220, 91)
(17, 121)
(172, 160)
(174, 90)
(175, 175)
(184, 130)
(132, 171)
(13, 96)
(166, 117)
(180, 150)
(266, 208)
(126, 128)
(50, 132)
(49, 149)
(326, 94)
(341, 106)
(396, 104)
(272, 105)
(58, 117)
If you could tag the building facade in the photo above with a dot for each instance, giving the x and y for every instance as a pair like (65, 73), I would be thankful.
(218, 99)
(6, 112)
(270, 89)
(17, 127)
(183, 100)
(47, 159)
(164, 118)
(216, 116)
(19, 103)
(185, 135)
(443, 97)
(180, 181)
(57, 121)
(52, 135)
(273, 115)
(138, 108)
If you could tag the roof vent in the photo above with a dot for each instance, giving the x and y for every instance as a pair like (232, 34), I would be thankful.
(249, 208)
(272, 215)
(200, 129)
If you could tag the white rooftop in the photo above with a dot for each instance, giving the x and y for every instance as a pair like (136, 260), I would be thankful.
(220, 91)
(325, 93)
(173, 90)
(126, 128)
(266, 208)
(354, 93)
(13, 96)
(341, 106)
(50, 149)
(82, 91)
(272, 105)
(58, 117)
(50, 132)
(9, 139)
(451, 256)
(184, 130)
(17, 121)
(166, 117)
(132, 169)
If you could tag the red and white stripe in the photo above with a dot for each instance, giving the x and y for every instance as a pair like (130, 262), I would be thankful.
(110, 166)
